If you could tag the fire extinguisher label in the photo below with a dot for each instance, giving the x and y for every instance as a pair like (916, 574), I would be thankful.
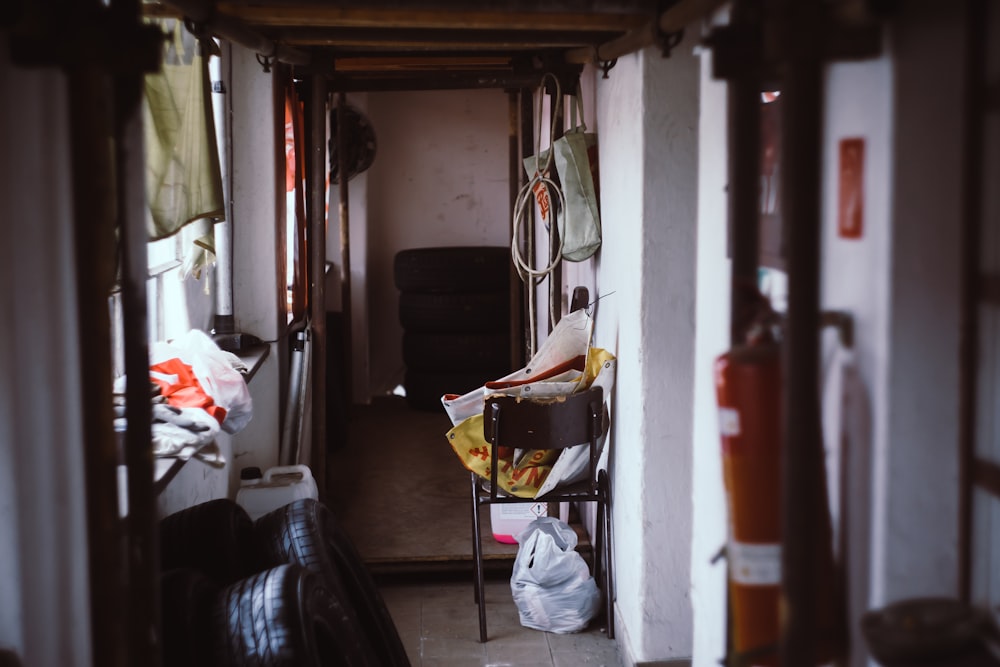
(755, 564)
(729, 422)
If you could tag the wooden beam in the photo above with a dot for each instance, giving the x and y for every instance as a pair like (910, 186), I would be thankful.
(235, 30)
(398, 81)
(316, 174)
(407, 38)
(646, 7)
(672, 20)
(325, 16)
(412, 63)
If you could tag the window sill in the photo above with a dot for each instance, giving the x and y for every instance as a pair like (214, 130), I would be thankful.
(166, 468)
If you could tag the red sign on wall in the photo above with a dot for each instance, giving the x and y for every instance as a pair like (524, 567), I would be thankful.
(850, 220)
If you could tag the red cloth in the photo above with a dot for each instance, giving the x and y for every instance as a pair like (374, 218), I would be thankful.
(186, 392)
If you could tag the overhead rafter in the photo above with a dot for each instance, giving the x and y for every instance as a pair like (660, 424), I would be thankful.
(326, 16)
(416, 38)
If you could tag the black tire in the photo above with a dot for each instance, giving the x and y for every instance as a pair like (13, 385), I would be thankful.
(215, 538)
(307, 533)
(444, 352)
(424, 389)
(458, 270)
(187, 600)
(487, 312)
(286, 617)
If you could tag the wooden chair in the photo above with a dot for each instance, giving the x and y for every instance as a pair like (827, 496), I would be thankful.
(555, 423)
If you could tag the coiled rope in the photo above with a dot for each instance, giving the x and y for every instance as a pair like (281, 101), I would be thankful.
(528, 273)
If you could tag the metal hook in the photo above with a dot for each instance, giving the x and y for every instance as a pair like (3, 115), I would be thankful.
(196, 29)
(668, 41)
(606, 66)
(265, 62)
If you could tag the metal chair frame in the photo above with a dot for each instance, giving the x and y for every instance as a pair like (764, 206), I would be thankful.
(555, 423)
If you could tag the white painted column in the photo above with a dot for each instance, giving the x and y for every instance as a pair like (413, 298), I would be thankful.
(648, 115)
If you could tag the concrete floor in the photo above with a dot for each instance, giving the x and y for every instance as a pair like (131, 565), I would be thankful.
(403, 496)
(439, 624)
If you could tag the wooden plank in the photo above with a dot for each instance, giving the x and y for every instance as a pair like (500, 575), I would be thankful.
(645, 7)
(448, 80)
(331, 17)
(412, 63)
(392, 38)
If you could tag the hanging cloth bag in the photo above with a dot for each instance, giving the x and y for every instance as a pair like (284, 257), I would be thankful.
(575, 156)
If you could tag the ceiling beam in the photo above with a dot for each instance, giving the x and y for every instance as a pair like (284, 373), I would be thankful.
(413, 81)
(675, 19)
(325, 16)
(407, 38)
(237, 31)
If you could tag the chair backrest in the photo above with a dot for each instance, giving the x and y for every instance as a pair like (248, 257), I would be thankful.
(552, 423)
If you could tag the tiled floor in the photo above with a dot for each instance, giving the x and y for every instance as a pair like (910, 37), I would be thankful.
(439, 624)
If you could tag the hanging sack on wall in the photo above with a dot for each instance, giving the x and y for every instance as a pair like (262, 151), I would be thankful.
(575, 156)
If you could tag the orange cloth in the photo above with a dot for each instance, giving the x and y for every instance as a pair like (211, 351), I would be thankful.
(186, 392)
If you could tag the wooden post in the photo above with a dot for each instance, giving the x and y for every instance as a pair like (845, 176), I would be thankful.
(317, 273)
(344, 211)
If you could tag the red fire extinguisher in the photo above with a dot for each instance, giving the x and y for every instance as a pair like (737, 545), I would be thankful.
(748, 390)
(748, 383)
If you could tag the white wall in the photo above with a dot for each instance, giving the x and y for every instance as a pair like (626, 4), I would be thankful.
(439, 179)
(258, 283)
(856, 278)
(708, 580)
(44, 576)
(648, 115)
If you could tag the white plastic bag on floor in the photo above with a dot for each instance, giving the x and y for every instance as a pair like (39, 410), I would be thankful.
(551, 583)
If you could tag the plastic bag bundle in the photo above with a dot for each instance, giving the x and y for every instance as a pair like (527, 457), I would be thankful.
(551, 583)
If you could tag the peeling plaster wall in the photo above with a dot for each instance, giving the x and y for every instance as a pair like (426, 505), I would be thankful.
(648, 115)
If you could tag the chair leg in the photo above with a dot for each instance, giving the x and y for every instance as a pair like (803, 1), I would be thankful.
(604, 486)
(477, 559)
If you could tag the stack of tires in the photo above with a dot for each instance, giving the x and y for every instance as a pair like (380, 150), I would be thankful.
(287, 590)
(454, 306)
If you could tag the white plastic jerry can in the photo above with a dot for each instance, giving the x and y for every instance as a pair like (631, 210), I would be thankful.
(278, 487)
(509, 519)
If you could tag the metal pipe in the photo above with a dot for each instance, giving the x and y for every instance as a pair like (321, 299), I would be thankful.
(975, 105)
(556, 277)
(143, 552)
(234, 30)
(344, 211)
(223, 113)
(803, 486)
(291, 432)
(93, 208)
(514, 171)
(317, 271)
(527, 130)
(744, 198)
